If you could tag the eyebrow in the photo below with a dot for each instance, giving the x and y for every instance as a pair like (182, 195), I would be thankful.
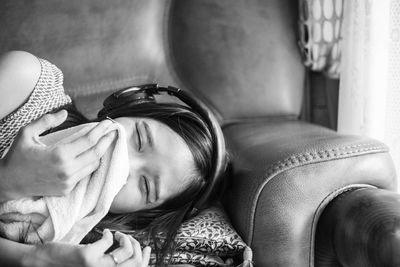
(148, 133)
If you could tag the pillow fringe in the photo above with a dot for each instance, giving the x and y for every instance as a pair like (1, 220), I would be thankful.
(247, 258)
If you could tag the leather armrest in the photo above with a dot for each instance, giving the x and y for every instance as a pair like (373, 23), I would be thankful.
(360, 228)
(285, 173)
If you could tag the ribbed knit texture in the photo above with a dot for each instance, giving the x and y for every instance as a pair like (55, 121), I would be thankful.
(47, 95)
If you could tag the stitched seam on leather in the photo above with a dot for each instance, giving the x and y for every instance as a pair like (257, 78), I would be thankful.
(305, 159)
(327, 153)
(325, 201)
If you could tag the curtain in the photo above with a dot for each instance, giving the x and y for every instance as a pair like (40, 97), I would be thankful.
(369, 90)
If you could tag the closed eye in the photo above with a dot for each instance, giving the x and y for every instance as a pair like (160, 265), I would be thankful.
(147, 188)
(148, 134)
(139, 138)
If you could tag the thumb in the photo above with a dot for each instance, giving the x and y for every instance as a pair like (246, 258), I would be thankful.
(146, 255)
(47, 122)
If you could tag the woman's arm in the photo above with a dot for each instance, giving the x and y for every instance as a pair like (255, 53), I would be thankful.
(19, 73)
(12, 253)
(31, 168)
(128, 254)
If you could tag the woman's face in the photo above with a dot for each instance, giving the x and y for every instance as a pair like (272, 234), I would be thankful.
(161, 165)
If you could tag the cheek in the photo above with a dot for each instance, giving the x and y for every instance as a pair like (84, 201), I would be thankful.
(127, 200)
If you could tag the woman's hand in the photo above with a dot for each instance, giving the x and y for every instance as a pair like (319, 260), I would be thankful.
(128, 254)
(31, 168)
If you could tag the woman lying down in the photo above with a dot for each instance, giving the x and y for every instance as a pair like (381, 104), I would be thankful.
(142, 168)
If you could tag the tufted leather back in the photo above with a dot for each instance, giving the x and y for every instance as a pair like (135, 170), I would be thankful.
(99, 45)
(239, 56)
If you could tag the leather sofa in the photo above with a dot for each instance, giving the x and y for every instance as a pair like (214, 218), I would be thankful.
(242, 59)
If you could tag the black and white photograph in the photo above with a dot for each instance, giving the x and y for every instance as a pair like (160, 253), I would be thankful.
(195, 133)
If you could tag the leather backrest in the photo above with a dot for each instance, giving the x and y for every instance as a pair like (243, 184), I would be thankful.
(240, 56)
(99, 45)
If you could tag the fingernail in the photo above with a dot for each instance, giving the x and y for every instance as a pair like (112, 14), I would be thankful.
(106, 231)
(108, 118)
(62, 113)
(110, 126)
(108, 122)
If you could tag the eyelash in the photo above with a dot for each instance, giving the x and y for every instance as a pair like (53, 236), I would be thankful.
(146, 183)
(139, 138)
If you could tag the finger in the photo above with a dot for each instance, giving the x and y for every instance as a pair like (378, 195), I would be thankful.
(137, 250)
(84, 172)
(146, 256)
(100, 246)
(47, 122)
(90, 139)
(135, 261)
(125, 250)
(85, 164)
(95, 152)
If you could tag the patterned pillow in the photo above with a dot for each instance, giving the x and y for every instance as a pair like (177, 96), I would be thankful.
(206, 239)
(195, 259)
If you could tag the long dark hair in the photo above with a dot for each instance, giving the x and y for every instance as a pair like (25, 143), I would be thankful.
(168, 216)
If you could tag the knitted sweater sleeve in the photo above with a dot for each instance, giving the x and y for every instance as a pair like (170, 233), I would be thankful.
(47, 95)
